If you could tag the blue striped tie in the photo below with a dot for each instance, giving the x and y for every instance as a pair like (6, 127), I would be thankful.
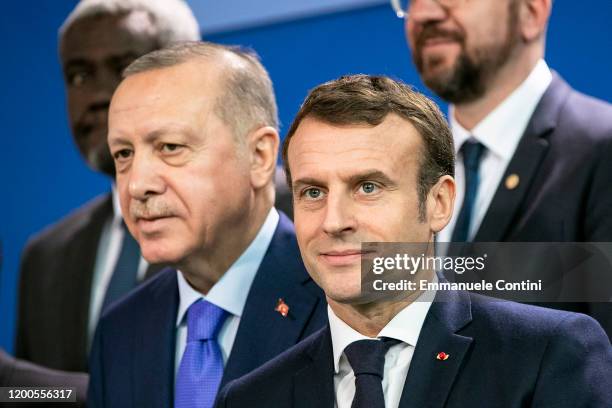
(201, 367)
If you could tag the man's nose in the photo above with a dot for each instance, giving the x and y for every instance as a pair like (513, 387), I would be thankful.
(145, 177)
(423, 11)
(339, 216)
(103, 85)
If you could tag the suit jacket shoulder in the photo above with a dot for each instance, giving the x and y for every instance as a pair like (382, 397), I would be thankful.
(273, 383)
(62, 232)
(501, 354)
(55, 281)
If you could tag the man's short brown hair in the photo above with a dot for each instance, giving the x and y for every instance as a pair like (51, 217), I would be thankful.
(366, 99)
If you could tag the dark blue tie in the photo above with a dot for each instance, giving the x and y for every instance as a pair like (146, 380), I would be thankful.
(367, 359)
(472, 152)
(125, 275)
(201, 368)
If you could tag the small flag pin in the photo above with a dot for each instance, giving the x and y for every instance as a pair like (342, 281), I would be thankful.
(442, 356)
(282, 307)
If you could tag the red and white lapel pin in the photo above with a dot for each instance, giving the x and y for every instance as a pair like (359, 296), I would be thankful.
(282, 307)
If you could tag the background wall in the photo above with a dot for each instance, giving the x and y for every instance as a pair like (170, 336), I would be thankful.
(43, 177)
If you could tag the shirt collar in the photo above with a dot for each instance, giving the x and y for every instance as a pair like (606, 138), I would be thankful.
(231, 291)
(405, 326)
(117, 217)
(501, 130)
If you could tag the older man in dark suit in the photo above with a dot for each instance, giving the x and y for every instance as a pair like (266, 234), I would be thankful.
(534, 155)
(371, 161)
(193, 131)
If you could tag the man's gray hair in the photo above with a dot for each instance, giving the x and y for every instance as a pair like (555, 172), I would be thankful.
(172, 18)
(246, 98)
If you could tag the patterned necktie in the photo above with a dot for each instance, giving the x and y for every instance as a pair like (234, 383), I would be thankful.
(201, 368)
(125, 275)
(367, 359)
(472, 152)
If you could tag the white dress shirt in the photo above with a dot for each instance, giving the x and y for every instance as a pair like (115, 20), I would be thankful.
(107, 255)
(405, 326)
(229, 293)
(500, 133)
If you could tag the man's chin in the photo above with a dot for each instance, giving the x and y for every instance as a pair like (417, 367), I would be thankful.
(157, 255)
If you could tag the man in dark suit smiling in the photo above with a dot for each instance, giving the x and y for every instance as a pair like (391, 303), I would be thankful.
(370, 160)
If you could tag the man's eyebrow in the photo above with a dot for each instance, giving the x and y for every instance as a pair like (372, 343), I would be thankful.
(367, 175)
(170, 129)
(305, 181)
(154, 135)
(371, 175)
(77, 62)
(119, 141)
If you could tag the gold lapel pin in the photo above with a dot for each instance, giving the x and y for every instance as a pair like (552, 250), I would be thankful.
(512, 181)
(282, 307)
(442, 356)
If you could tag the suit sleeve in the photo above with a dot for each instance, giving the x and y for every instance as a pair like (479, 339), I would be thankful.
(576, 366)
(95, 393)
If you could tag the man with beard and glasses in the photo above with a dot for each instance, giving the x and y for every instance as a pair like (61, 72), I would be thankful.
(371, 161)
(74, 269)
(534, 155)
(193, 130)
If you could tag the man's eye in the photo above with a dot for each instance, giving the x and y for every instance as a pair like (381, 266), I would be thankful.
(77, 79)
(122, 154)
(313, 193)
(170, 147)
(368, 187)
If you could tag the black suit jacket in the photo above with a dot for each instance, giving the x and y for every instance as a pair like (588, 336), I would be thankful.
(501, 354)
(564, 165)
(55, 288)
(133, 356)
(17, 373)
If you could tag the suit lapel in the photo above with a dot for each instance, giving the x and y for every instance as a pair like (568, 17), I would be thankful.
(532, 148)
(154, 347)
(314, 384)
(263, 332)
(79, 266)
(430, 380)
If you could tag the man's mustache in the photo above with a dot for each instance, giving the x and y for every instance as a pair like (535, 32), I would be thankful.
(150, 210)
(432, 31)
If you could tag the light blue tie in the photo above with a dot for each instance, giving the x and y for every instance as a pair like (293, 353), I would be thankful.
(201, 367)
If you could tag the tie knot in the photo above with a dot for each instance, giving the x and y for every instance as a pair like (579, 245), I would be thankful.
(472, 151)
(204, 320)
(368, 356)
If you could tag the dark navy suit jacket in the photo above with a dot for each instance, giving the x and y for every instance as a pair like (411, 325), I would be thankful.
(502, 354)
(564, 164)
(133, 356)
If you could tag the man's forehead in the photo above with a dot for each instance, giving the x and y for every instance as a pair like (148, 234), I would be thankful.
(321, 148)
(192, 80)
(121, 33)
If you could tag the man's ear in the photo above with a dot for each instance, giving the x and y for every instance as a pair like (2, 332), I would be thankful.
(533, 16)
(263, 151)
(440, 203)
